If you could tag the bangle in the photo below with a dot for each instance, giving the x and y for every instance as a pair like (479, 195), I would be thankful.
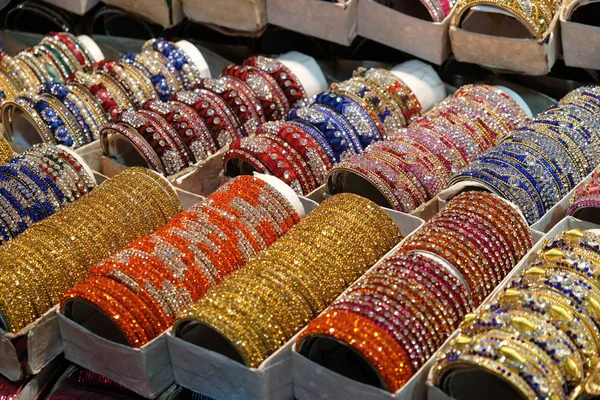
(285, 78)
(103, 95)
(21, 73)
(191, 128)
(162, 77)
(108, 141)
(401, 93)
(274, 102)
(215, 112)
(189, 72)
(240, 98)
(355, 111)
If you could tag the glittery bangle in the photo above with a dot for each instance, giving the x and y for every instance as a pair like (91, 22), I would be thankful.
(188, 71)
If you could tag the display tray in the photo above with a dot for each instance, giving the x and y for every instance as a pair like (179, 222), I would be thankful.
(564, 225)
(580, 42)
(211, 374)
(43, 346)
(481, 40)
(335, 22)
(424, 39)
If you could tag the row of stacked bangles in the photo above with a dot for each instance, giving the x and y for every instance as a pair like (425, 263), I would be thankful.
(373, 239)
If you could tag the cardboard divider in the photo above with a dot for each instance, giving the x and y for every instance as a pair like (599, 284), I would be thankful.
(313, 381)
(247, 16)
(201, 179)
(145, 370)
(499, 49)
(43, 346)
(78, 7)
(580, 42)
(214, 375)
(422, 38)
(335, 22)
(564, 225)
(165, 13)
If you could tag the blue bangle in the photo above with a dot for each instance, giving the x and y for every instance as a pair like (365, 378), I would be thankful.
(185, 67)
(366, 129)
(319, 137)
(55, 123)
(34, 184)
(337, 131)
(61, 92)
(159, 81)
(26, 198)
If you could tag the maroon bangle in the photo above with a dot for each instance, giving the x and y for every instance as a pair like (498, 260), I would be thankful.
(163, 139)
(136, 140)
(240, 98)
(191, 128)
(266, 89)
(305, 176)
(285, 78)
(307, 146)
(218, 116)
(260, 151)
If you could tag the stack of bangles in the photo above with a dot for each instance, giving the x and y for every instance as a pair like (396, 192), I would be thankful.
(393, 319)
(535, 15)
(54, 59)
(438, 10)
(168, 136)
(38, 183)
(539, 338)
(146, 285)
(52, 256)
(416, 163)
(258, 308)
(342, 121)
(586, 198)
(538, 164)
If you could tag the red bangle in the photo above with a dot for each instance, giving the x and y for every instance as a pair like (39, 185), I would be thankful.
(138, 87)
(266, 89)
(218, 116)
(79, 55)
(190, 127)
(285, 78)
(263, 155)
(310, 150)
(137, 141)
(240, 98)
(163, 139)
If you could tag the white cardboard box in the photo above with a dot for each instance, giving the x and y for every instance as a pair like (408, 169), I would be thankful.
(78, 7)
(145, 370)
(214, 375)
(496, 50)
(424, 39)
(43, 345)
(335, 22)
(564, 225)
(246, 16)
(580, 42)
(157, 11)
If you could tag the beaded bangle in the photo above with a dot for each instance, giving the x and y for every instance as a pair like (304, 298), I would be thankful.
(160, 72)
(215, 112)
(107, 93)
(274, 102)
(188, 71)
(403, 95)
(240, 98)
(191, 128)
(287, 80)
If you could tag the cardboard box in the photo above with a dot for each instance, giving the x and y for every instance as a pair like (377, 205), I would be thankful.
(238, 15)
(498, 48)
(424, 39)
(164, 13)
(335, 22)
(78, 7)
(580, 42)
(145, 370)
(564, 225)
(43, 346)
(214, 375)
